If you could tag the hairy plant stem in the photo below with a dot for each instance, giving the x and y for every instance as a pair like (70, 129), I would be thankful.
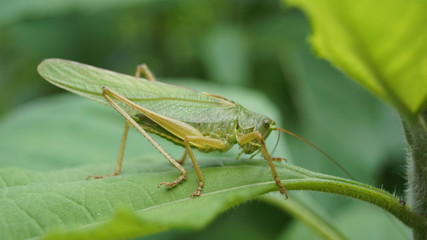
(416, 136)
(302, 179)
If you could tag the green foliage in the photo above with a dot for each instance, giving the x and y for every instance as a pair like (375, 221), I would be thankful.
(226, 55)
(192, 38)
(15, 10)
(386, 59)
(373, 219)
(380, 44)
(36, 203)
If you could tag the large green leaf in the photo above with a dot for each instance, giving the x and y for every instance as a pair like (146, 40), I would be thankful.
(33, 203)
(380, 44)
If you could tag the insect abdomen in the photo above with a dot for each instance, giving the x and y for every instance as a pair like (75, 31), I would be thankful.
(222, 130)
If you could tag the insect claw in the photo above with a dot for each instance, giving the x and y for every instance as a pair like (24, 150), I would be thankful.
(174, 183)
(284, 192)
(101, 177)
(167, 184)
(198, 191)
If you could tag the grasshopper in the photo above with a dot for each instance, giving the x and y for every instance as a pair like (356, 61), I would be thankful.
(184, 116)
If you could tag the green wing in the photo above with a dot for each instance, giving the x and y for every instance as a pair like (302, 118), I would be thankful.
(176, 102)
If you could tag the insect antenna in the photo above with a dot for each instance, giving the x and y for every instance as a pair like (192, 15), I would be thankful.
(318, 149)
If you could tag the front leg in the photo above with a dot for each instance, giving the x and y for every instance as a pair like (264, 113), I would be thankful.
(247, 138)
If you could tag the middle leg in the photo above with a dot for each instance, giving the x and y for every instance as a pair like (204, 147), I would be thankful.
(200, 141)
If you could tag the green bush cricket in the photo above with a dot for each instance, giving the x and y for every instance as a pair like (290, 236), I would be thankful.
(184, 116)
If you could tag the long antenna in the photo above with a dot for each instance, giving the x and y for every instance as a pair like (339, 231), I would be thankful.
(318, 149)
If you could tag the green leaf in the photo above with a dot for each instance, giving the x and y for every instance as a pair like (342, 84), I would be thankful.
(33, 203)
(380, 44)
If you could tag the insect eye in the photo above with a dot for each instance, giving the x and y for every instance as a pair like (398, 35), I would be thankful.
(266, 123)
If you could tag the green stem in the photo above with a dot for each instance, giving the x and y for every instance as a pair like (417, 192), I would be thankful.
(416, 136)
(383, 199)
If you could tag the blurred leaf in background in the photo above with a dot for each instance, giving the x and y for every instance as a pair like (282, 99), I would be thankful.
(259, 44)
(381, 56)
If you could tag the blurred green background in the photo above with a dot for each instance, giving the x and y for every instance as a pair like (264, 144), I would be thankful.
(255, 44)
